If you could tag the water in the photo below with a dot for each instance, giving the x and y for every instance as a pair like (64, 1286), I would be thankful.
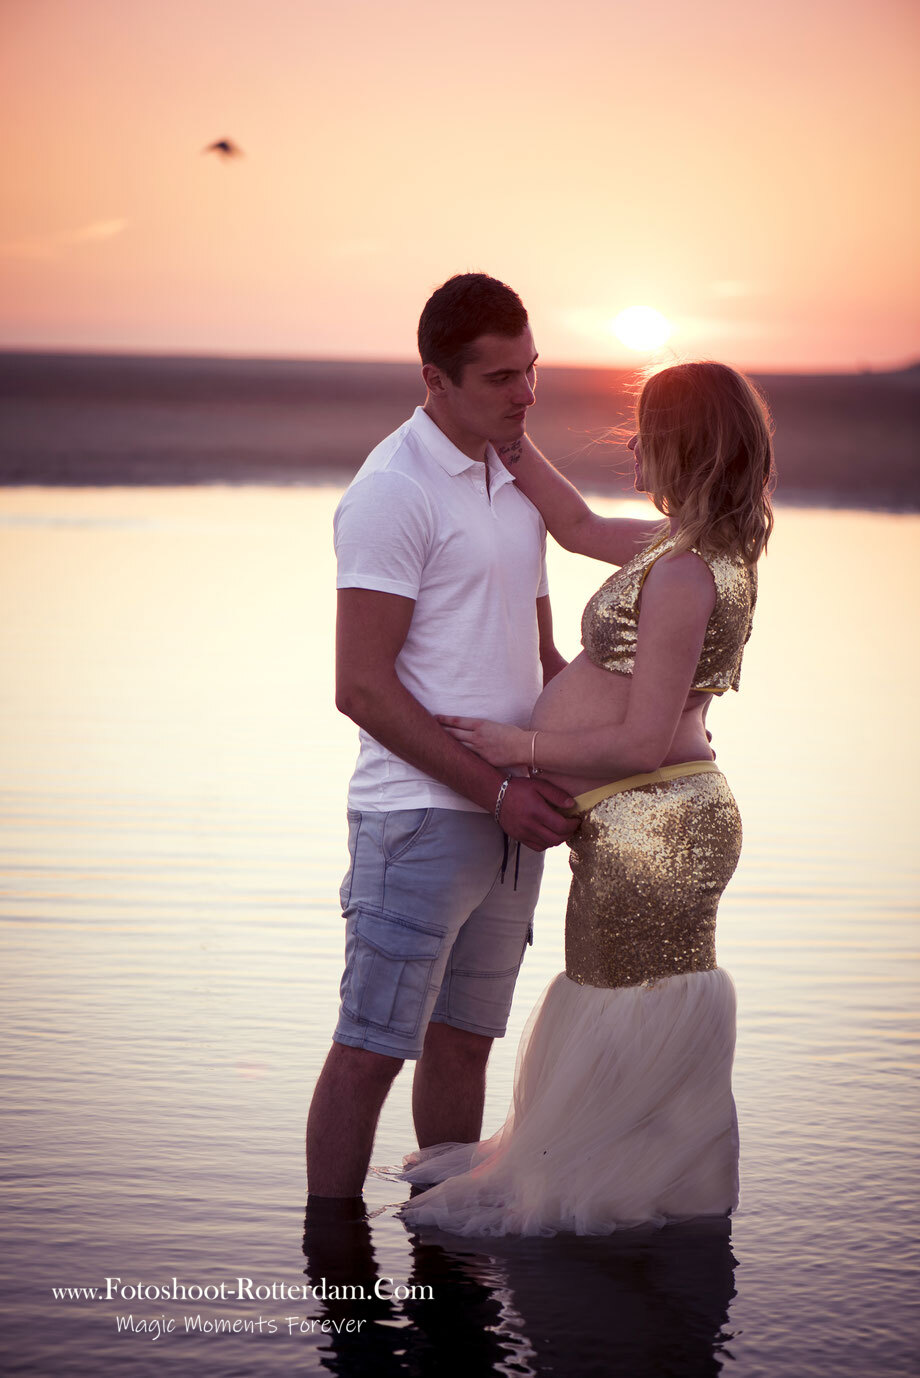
(173, 779)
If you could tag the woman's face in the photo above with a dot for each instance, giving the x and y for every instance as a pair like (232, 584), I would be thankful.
(636, 447)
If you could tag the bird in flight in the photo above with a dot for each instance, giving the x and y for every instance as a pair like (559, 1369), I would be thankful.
(224, 148)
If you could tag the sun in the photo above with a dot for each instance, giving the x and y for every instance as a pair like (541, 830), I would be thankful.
(641, 328)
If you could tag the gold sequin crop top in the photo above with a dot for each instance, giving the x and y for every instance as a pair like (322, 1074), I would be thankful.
(610, 622)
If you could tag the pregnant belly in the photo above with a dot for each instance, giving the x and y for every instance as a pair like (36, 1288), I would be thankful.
(584, 695)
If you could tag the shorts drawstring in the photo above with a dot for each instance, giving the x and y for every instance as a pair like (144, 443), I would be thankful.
(517, 860)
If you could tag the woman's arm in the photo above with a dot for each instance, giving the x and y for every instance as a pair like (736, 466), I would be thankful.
(568, 517)
(677, 599)
(551, 659)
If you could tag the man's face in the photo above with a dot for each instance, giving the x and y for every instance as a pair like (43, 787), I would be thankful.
(496, 388)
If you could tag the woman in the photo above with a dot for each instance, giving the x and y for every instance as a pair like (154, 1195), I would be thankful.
(623, 1111)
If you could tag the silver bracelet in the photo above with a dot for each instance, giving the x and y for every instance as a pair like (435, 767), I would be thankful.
(501, 797)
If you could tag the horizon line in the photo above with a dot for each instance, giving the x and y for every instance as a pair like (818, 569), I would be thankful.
(108, 352)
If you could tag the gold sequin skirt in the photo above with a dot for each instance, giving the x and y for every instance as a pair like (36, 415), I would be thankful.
(623, 1111)
(649, 864)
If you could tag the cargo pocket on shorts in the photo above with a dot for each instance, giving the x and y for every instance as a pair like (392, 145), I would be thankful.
(389, 976)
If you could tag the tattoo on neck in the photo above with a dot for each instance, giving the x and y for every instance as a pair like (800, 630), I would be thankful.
(511, 453)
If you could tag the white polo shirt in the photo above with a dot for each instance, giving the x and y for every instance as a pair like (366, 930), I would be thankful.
(417, 521)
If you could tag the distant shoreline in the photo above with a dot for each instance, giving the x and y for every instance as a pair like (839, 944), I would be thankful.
(335, 361)
(94, 419)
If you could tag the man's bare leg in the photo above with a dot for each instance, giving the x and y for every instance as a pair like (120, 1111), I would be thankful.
(449, 1087)
(343, 1117)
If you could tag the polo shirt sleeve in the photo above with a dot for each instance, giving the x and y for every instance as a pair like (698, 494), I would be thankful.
(383, 530)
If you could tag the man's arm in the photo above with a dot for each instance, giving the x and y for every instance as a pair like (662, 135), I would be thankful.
(371, 628)
(550, 658)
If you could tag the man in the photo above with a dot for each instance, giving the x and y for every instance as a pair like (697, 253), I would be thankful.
(442, 608)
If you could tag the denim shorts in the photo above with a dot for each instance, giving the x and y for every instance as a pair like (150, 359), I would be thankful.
(432, 930)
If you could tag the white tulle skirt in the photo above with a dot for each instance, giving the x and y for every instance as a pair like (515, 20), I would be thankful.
(622, 1115)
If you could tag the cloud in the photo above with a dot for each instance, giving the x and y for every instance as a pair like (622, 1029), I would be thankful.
(99, 229)
(734, 287)
(589, 321)
(706, 328)
(356, 248)
(48, 246)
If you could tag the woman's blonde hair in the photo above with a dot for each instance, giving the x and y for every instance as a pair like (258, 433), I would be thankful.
(707, 457)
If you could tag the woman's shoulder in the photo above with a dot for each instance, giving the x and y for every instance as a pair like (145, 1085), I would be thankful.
(729, 569)
(733, 568)
(683, 574)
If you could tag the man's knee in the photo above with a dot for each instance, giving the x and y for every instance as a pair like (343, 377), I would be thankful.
(361, 1065)
(445, 1043)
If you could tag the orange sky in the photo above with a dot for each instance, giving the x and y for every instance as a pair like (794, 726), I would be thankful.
(749, 171)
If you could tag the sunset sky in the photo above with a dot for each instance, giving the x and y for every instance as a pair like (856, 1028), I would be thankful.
(748, 170)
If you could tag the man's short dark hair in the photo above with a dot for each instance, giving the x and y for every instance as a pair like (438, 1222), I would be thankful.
(465, 307)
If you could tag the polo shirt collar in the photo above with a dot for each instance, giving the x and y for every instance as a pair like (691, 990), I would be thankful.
(452, 460)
